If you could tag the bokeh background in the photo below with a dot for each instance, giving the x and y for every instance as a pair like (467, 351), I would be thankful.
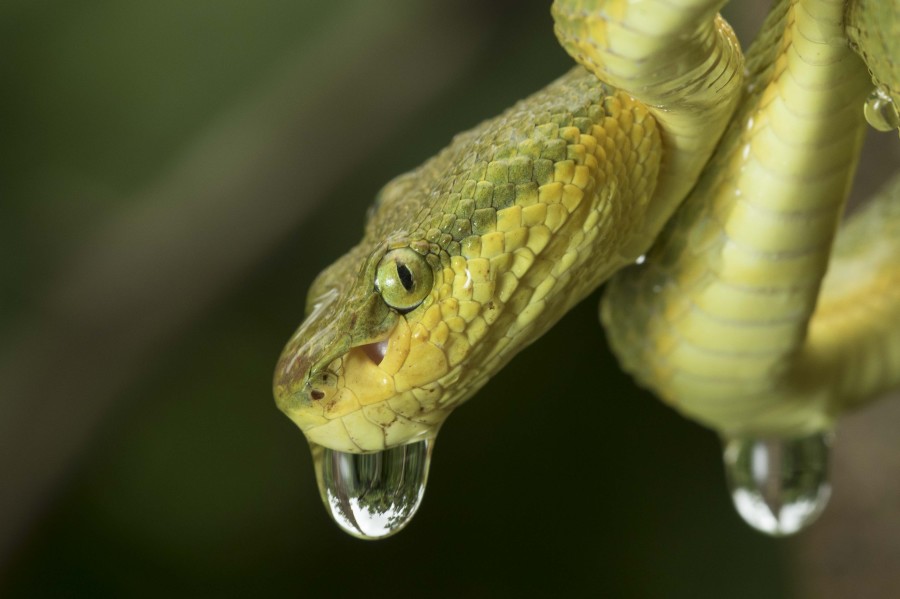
(174, 174)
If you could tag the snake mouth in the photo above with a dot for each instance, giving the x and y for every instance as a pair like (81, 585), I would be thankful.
(375, 351)
(361, 366)
(387, 354)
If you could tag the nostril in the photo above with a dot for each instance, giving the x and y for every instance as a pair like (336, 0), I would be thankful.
(376, 351)
(321, 384)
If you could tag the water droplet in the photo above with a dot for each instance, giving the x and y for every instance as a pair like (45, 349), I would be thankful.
(880, 111)
(373, 495)
(779, 486)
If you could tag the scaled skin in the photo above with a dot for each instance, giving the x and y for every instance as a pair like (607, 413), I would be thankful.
(518, 219)
(721, 320)
(521, 217)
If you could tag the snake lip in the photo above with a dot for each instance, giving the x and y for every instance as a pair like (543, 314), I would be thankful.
(375, 351)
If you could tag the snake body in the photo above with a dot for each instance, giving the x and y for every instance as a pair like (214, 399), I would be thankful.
(476, 253)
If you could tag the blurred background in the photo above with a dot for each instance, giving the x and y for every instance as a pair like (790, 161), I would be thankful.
(174, 174)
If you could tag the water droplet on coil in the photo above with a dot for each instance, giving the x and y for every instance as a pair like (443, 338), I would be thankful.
(778, 486)
(880, 111)
(373, 495)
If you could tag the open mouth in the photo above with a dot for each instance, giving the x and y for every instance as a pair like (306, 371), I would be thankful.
(382, 357)
(375, 351)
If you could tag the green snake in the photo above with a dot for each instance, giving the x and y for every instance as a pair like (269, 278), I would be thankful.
(724, 178)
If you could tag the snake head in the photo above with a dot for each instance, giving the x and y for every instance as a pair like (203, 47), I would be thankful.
(358, 374)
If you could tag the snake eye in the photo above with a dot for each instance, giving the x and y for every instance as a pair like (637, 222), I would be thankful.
(403, 279)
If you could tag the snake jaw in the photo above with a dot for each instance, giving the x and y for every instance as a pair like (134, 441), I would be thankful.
(373, 403)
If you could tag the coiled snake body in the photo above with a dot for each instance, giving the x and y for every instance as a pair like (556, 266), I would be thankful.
(476, 253)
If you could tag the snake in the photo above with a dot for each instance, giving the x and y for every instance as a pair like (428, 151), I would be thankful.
(705, 188)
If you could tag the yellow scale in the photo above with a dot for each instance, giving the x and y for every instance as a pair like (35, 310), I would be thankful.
(724, 179)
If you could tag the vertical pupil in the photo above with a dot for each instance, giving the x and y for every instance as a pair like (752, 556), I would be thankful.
(406, 277)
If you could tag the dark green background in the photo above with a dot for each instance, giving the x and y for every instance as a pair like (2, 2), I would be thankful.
(174, 174)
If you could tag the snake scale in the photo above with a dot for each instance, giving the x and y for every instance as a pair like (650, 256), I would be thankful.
(480, 250)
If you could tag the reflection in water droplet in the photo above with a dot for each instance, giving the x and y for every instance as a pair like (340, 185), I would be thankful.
(373, 495)
(779, 486)
(880, 111)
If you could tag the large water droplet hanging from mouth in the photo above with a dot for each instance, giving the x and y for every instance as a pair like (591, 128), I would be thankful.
(373, 495)
(779, 486)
